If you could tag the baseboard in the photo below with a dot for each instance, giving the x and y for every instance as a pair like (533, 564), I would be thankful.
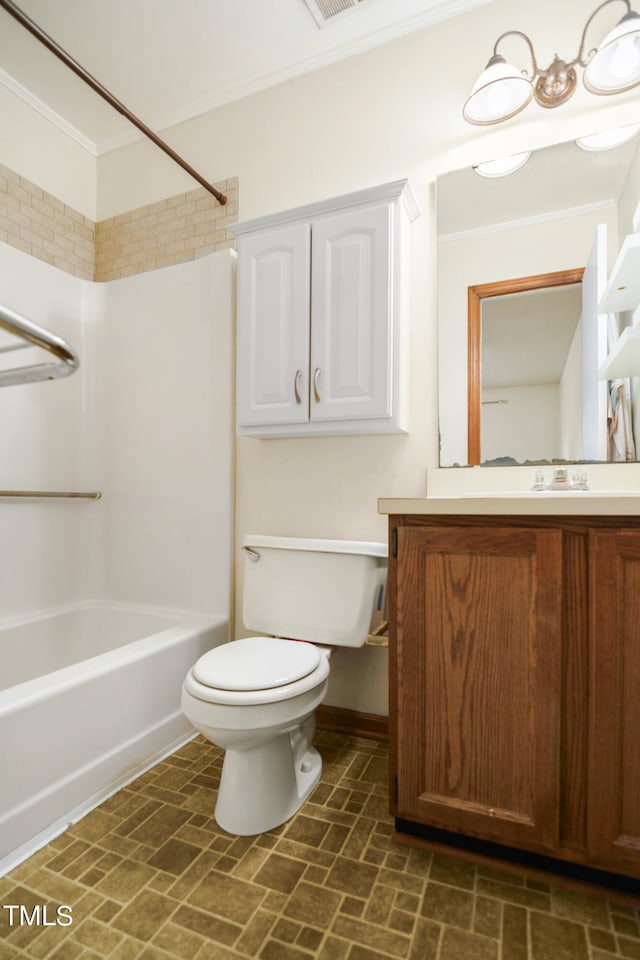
(352, 722)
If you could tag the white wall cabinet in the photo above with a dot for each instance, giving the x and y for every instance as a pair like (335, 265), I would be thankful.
(322, 317)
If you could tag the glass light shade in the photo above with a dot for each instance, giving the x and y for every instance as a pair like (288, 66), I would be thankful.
(503, 166)
(615, 66)
(608, 139)
(499, 93)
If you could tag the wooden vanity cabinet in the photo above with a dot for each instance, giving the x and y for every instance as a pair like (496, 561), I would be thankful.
(515, 683)
(613, 814)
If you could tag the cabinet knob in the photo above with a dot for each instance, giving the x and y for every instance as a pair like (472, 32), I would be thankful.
(296, 386)
(316, 374)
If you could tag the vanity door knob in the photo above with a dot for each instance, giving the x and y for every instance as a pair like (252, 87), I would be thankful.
(316, 374)
(296, 386)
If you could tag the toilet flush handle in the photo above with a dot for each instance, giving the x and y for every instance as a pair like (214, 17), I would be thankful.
(253, 555)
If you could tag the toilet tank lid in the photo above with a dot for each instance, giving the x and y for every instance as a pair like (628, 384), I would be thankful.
(367, 548)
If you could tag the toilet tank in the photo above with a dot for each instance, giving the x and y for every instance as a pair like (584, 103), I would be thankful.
(318, 590)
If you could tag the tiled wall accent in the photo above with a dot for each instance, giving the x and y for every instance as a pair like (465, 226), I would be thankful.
(41, 225)
(170, 231)
(181, 228)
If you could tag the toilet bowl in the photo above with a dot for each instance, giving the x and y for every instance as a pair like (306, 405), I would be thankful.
(267, 734)
(256, 697)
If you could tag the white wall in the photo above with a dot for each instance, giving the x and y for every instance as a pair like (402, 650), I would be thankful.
(38, 150)
(146, 420)
(630, 198)
(570, 426)
(629, 204)
(501, 423)
(389, 113)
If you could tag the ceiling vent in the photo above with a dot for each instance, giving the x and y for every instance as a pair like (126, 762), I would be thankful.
(323, 11)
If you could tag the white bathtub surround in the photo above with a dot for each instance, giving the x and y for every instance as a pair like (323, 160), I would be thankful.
(163, 374)
(43, 447)
(147, 421)
(76, 726)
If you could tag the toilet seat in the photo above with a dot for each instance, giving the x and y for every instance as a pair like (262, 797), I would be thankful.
(256, 663)
(257, 670)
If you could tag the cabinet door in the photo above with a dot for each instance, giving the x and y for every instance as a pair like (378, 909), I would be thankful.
(478, 667)
(351, 316)
(613, 811)
(273, 327)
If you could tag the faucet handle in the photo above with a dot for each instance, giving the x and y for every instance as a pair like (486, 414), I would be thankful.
(538, 481)
(579, 480)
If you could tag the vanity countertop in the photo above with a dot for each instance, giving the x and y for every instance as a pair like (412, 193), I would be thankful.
(545, 503)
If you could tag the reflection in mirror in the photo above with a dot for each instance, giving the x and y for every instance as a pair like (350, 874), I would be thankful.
(525, 366)
(542, 219)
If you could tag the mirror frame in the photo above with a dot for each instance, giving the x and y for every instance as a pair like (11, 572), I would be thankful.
(475, 296)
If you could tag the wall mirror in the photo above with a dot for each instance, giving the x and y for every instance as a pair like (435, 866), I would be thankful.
(511, 252)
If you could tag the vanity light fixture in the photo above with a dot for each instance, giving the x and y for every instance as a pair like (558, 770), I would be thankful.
(503, 166)
(608, 139)
(502, 90)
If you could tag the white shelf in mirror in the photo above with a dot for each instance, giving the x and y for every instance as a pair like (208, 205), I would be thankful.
(623, 287)
(624, 359)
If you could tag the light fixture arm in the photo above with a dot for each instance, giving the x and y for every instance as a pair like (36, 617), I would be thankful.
(552, 86)
(519, 33)
(580, 55)
(502, 90)
(579, 59)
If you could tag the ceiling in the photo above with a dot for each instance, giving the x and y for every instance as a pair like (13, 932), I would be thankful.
(170, 60)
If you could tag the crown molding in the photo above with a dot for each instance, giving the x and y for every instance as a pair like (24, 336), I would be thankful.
(439, 11)
(36, 104)
(384, 193)
(527, 221)
(442, 10)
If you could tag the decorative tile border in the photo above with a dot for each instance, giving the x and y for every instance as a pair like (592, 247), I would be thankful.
(181, 228)
(171, 231)
(39, 224)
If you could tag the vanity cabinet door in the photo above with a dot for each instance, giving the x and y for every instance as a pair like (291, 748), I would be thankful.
(477, 674)
(613, 811)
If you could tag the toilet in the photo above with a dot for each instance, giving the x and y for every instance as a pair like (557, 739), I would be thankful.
(256, 697)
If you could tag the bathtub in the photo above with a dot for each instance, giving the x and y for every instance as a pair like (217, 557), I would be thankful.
(89, 698)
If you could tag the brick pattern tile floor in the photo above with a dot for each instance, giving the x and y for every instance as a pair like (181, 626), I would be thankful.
(150, 876)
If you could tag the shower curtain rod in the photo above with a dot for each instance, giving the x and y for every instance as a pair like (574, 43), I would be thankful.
(95, 85)
(52, 494)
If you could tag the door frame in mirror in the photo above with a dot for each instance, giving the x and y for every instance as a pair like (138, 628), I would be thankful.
(475, 296)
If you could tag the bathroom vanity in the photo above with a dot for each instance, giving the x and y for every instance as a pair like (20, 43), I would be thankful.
(514, 648)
